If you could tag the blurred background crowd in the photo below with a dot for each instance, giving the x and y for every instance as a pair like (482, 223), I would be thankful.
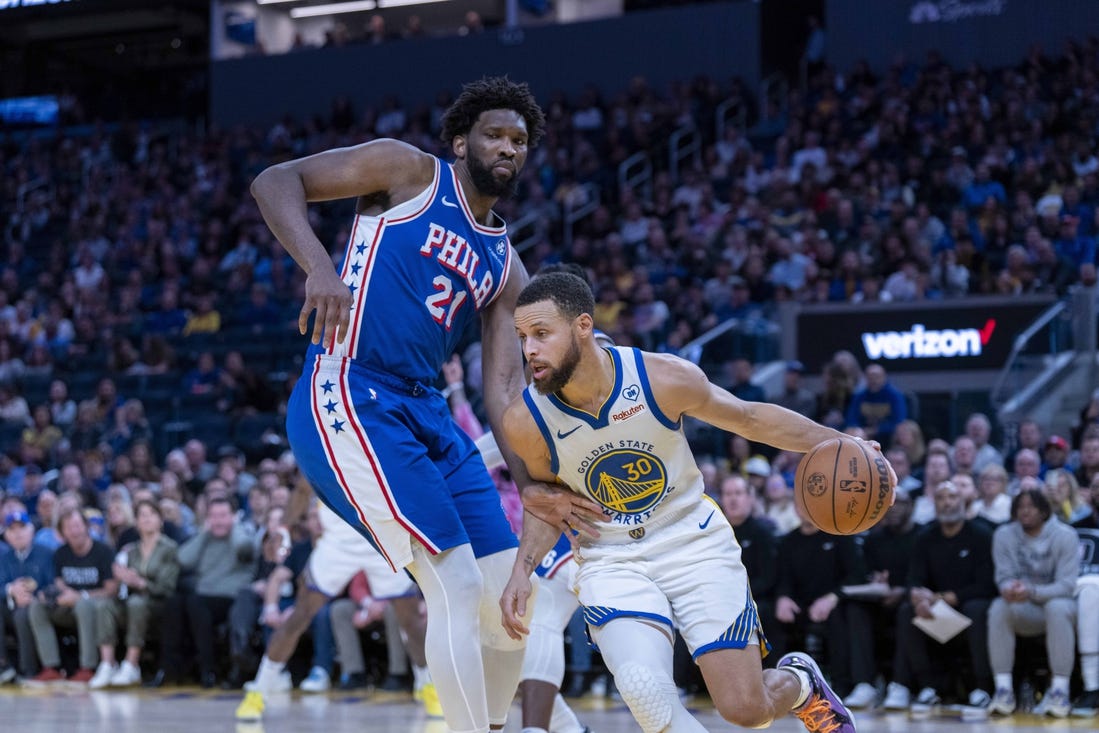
(146, 353)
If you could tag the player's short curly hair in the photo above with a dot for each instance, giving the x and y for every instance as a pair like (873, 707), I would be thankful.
(569, 293)
(493, 92)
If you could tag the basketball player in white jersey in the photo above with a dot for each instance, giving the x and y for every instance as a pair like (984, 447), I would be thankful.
(607, 423)
(338, 555)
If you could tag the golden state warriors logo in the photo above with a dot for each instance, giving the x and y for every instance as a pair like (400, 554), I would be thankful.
(628, 481)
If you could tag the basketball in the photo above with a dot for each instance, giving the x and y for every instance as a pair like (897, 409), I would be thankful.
(843, 486)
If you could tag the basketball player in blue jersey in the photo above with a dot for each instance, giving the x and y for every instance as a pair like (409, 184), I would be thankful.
(607, 423)
(426, 257)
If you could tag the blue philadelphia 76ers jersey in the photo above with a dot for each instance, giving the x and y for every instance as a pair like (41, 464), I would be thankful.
(418, 274)
(630, 457)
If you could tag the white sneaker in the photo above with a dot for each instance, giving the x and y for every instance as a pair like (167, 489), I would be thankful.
(317, 681)
(979, 699)
(1054, 703)
(864, 695)
(925, 703)
(897, 697)
(1003, 701)
(102, 676)
(282, 683)
(126, 675)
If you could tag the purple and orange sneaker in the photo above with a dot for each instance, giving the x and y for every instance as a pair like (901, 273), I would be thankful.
(823, 711)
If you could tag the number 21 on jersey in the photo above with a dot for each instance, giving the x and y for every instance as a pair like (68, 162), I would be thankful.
(444, 302)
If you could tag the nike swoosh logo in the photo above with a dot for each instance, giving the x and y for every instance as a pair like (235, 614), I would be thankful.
(562, 436)
(451, 204)
(704, 525)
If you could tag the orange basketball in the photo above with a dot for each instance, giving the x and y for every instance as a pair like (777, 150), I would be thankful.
(843, 486)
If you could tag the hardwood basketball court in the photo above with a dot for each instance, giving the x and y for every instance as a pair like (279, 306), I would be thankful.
(190, 710)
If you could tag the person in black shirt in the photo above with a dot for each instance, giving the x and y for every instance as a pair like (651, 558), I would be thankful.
(758, 544)
(83, 577)
(813, 567)
(1087, 602)
(952, 562)
(887, 550)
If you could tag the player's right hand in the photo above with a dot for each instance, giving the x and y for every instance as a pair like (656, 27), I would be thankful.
(562, 508)
(330, 297)
(513, 605)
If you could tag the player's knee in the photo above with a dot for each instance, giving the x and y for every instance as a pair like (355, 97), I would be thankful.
(650, 697)
(746, 713)
(495, 571)
(493, 634)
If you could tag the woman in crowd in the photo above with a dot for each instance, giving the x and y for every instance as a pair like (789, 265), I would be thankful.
(1063, 493)
(148, 570)
(993, 504)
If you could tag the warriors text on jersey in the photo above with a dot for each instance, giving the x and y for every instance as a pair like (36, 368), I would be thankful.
(630, 457)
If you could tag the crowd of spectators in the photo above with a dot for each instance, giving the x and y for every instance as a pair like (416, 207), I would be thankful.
(145, 308)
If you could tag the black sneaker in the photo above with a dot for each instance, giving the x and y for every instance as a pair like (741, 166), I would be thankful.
(1087, 705)
(395, 683)
(353, 681)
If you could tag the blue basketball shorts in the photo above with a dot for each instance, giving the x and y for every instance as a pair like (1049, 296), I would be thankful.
(384, 454)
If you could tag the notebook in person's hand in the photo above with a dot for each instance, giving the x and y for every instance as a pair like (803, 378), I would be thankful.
(945, 622)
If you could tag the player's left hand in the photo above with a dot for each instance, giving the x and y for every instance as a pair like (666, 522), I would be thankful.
(513, 605)
(892, 474)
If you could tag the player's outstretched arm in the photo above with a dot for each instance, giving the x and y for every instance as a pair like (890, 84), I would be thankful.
(681, 388)
(282, 191)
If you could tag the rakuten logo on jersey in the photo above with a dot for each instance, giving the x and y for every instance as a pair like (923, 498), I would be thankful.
(924, 343)
(627, 413)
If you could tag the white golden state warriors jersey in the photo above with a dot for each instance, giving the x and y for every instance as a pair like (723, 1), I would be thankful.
(630, 458)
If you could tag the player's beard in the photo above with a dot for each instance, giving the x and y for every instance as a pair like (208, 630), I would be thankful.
(560, 375)
(486, 181)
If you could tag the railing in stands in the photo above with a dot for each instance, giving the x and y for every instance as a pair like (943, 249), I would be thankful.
(773, 87)
(575, 210)
(756, 339)
(1048, 340)
(526, 231)
(24, 189)
(684, 144)
(729, 113)
(635, 173)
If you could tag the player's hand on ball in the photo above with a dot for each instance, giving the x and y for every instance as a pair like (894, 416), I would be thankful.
(562, 508)
(513, 605)
(892, 474)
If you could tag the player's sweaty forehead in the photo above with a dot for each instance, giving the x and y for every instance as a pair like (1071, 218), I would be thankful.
(542, 315)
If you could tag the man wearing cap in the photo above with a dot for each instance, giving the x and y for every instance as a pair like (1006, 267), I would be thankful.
(793, 396)
(1055, 454)
(24, 569)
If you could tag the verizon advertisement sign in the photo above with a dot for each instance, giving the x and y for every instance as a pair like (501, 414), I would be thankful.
(922, 343)
(990, 32)
(976, 335)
